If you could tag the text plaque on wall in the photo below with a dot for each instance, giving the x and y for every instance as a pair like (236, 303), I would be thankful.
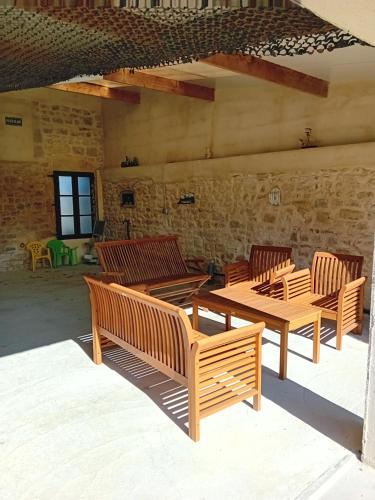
(13, 121)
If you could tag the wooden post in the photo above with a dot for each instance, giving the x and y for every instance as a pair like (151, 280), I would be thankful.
(284, 351)
(194, 424)
(195, 316)
(316, 348)
(96, 343)
(257, 399)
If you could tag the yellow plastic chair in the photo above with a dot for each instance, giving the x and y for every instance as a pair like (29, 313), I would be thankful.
(38, 252)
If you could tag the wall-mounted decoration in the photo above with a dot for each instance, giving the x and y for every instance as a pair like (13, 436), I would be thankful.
(130, 163)
(307, 142)
(13, 121)
(187, 199)
(128, 198)
(274, 196)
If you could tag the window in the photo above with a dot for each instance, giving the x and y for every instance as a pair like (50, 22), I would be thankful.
(74, 204)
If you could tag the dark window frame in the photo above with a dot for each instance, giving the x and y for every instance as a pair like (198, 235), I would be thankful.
(75, 195)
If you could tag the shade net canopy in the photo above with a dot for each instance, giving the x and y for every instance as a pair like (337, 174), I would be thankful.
(48, 41)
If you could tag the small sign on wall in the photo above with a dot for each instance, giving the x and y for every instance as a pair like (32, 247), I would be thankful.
(13, 121)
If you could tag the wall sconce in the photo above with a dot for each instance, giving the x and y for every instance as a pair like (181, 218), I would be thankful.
(274, 196)
(187, 199)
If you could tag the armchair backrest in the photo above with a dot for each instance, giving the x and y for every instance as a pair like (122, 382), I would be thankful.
(36, 248)
(266, 259)
(331, 271)
(155, 328)
(57, 246)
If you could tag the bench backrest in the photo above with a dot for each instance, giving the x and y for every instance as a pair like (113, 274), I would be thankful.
(265, 259)
(159, 330)
(142, 259)
(331, 271)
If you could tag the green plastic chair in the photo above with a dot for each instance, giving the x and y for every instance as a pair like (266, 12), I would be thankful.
(61, 253)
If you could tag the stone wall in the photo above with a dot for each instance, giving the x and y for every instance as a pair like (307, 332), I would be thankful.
(58, 133)
(331, 208)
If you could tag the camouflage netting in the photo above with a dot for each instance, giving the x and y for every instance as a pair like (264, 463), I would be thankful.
(42, 46)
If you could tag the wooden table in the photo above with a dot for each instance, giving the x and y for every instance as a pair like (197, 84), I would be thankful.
(278, 315)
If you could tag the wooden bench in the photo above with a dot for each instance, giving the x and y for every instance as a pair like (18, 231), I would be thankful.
(218, 371)
(156, 263)
(262, 272)
(335, 285)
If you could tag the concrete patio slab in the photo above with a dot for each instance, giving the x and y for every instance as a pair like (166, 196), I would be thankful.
(72, 430)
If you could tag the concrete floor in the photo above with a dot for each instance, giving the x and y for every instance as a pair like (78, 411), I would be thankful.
(72, 430)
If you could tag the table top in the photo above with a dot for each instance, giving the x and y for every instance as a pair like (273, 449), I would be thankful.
(243, 300)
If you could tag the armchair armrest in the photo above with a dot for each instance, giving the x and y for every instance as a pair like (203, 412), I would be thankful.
(296, 284)
(279, 273)
(350, 306)
(276, 284)
(236, 272)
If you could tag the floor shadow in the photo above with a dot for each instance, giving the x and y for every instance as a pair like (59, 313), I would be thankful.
(170, 396)
(328, 418)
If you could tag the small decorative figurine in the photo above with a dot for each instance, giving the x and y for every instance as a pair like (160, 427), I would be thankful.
(307, 142)
(130, 163)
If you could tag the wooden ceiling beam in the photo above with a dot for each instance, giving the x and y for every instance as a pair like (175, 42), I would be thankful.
(99, 91)
(269, 71)
(147, 81)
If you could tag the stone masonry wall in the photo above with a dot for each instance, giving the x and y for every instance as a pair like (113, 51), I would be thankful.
(64, 138)
(329, 209)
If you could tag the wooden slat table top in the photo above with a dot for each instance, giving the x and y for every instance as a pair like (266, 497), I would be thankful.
(245, 302)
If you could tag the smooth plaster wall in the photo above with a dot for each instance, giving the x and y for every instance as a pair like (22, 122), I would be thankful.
(243, 119)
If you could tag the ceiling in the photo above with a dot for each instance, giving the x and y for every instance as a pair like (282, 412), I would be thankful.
(51, 44)
(341, 65)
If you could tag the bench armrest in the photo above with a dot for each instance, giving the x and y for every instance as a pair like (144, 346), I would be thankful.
(296, 284)
(223, 370)
(236, 272)
(112, 275)
(196, 264)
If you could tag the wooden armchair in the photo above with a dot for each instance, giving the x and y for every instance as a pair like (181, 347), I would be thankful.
(218, 371)
(335, 285)
(263, 271)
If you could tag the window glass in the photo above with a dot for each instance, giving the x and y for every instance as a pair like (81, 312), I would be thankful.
(65, 185)
(86, 224)
(66, 205)
(85, 205)
(67, 225)
(84, 186)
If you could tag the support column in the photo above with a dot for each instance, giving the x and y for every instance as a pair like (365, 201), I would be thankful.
(368, 443)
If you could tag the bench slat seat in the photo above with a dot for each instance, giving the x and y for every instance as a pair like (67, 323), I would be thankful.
(335, 285)
(218, 370)
(156, 263)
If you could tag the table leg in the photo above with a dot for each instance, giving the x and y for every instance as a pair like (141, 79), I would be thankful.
(228, 322)
(283, 351)
(316, 351)
(195, 316)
